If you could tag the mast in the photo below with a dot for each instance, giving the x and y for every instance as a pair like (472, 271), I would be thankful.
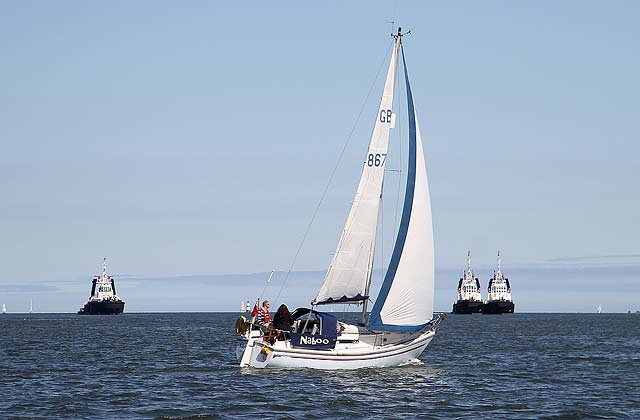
(363, 318)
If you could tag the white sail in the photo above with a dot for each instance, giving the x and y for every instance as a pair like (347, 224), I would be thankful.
(349, 274)
(405, 301)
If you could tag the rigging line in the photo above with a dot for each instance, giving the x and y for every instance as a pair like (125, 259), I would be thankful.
(344, 148)
(264, 289)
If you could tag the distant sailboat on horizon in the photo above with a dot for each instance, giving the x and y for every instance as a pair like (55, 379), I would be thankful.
(30, 306)
(599, 309)
(4, 309)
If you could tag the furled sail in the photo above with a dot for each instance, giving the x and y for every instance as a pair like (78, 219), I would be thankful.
(349, 274)
(405, 301)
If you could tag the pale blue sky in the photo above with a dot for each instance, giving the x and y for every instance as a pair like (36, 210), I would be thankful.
(196, 138)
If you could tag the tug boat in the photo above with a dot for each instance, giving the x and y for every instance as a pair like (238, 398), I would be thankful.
(402, 322)
(469, 295)
(499, 299)
(103, 299)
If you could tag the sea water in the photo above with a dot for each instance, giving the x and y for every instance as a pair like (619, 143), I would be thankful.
(171, 366)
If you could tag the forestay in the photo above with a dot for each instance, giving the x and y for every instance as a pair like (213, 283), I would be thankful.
(350, 271)
(405, 301)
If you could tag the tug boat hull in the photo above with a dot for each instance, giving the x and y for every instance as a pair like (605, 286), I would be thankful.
(498, 307)
(102, 308)
(467, 307)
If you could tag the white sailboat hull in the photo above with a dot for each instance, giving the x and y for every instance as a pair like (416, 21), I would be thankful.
(365, 353)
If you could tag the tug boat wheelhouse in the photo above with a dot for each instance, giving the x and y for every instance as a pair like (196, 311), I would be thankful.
(401, 323)
(103, 299)
(499, 299)
(469, 295)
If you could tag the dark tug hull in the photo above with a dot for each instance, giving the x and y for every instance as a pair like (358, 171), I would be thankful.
(114, 307)
(498, 307)
(467, 307)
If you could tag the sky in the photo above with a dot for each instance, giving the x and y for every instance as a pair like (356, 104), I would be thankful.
(194, 140)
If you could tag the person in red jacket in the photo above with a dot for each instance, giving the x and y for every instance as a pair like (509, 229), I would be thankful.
(262, 314)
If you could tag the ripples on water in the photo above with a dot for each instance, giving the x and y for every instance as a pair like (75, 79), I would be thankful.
(552, 366)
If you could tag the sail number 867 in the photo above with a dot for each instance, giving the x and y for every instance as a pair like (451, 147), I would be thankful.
(376, 159)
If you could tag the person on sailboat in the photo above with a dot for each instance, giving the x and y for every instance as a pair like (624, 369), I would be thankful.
(283, 320)
(262, 315)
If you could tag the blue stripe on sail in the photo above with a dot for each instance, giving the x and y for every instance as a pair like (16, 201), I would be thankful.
(375, 320)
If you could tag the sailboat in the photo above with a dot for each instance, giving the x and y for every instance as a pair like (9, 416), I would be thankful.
(4, 309)
(243, 309)
(401, 323)
(599, 309)
(30, 306)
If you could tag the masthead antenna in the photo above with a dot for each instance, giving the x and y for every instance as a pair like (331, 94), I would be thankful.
(400, 34)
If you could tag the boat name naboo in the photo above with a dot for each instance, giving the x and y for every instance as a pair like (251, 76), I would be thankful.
(313, 341)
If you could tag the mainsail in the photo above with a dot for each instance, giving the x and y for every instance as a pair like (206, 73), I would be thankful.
(349, 274)
(405, 301)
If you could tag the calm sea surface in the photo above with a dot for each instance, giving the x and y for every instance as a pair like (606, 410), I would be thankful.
(166, 366)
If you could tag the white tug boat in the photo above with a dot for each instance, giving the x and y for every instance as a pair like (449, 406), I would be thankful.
(401, 323)
(499, 299)
(103, 299)
(469, 296)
